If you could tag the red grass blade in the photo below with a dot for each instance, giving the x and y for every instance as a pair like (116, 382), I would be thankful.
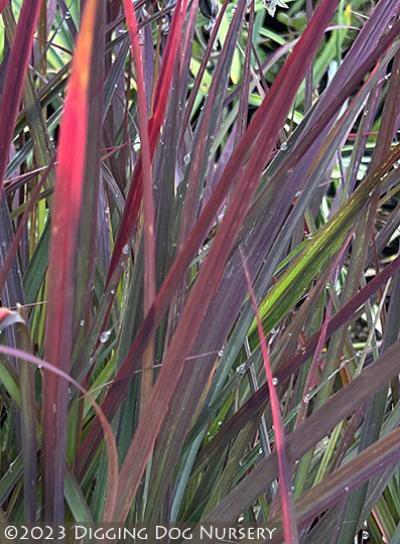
(288, 512)
(61, 282)
(17, 66)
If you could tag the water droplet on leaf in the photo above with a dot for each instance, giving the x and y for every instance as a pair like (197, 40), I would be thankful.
(104, 336)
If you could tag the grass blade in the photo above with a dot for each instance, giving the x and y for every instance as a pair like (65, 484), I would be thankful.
(14, 80)
(148, 197)
(288, 512)
(65, 225)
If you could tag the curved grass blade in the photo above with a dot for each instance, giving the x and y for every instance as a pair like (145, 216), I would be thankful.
(8, 318)
(107, 429)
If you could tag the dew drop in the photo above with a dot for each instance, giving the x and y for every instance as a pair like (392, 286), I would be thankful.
(241, 369)
(125, 249)
(82, 322)
(283, 146)
(104, 336)
(165, 27)
(274, 381)
(186, 159)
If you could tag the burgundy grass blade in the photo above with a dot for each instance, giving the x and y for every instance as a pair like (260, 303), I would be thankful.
(288, 512)
(17, 66)
(205, 132)
(199, 77)
(61, 282)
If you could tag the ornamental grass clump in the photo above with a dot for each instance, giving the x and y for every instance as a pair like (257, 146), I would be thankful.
(199, 269)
